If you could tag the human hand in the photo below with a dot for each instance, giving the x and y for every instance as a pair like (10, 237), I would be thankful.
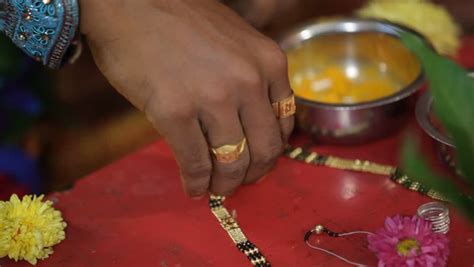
(203, 77)
(256, 12)
(260, 13)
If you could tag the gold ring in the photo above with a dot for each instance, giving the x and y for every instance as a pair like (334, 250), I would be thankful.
(285, 107)
(229, 153)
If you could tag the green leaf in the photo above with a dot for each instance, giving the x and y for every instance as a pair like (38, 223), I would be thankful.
(417, 169)
(453, 94)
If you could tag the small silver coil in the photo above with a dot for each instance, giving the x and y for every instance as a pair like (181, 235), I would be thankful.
(438, 214)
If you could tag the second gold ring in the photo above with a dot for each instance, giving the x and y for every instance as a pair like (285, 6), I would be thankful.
(285, 107)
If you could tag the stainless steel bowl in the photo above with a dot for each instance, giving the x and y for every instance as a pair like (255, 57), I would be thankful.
(426, 120)
(424, 115)
(353, 44)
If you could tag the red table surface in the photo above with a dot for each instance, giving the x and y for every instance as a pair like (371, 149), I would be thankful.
(134, 212)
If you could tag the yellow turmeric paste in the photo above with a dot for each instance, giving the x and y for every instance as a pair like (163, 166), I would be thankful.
(333, 85)
(350, 68)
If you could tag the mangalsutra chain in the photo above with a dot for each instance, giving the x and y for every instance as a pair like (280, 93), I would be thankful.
(257, 259)
(229, 223)
(395, 174)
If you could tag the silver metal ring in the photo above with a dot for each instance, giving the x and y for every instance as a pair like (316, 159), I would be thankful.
(438, 214)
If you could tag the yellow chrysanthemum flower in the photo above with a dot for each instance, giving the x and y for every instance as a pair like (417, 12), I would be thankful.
(29, 228)
(431, 20)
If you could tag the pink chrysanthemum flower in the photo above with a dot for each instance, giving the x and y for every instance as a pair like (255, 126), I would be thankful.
(409, 241)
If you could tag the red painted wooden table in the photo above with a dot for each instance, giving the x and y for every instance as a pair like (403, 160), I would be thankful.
(134, 213)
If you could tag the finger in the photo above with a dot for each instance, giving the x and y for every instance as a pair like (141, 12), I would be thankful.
(224, 128)
(263, 134)
(277, 74)
(280, 90)
(191, 151)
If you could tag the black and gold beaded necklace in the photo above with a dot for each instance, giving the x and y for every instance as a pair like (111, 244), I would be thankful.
(256, 258)
(394, 173)
(229, 224)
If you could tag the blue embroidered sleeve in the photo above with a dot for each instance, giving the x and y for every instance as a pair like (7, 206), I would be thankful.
(43, 29)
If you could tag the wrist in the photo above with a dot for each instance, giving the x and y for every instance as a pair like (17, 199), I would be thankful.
(99, 17)
(103, 20)
(90, 12)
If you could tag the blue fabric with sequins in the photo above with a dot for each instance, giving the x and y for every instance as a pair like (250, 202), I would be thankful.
(43, 29)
